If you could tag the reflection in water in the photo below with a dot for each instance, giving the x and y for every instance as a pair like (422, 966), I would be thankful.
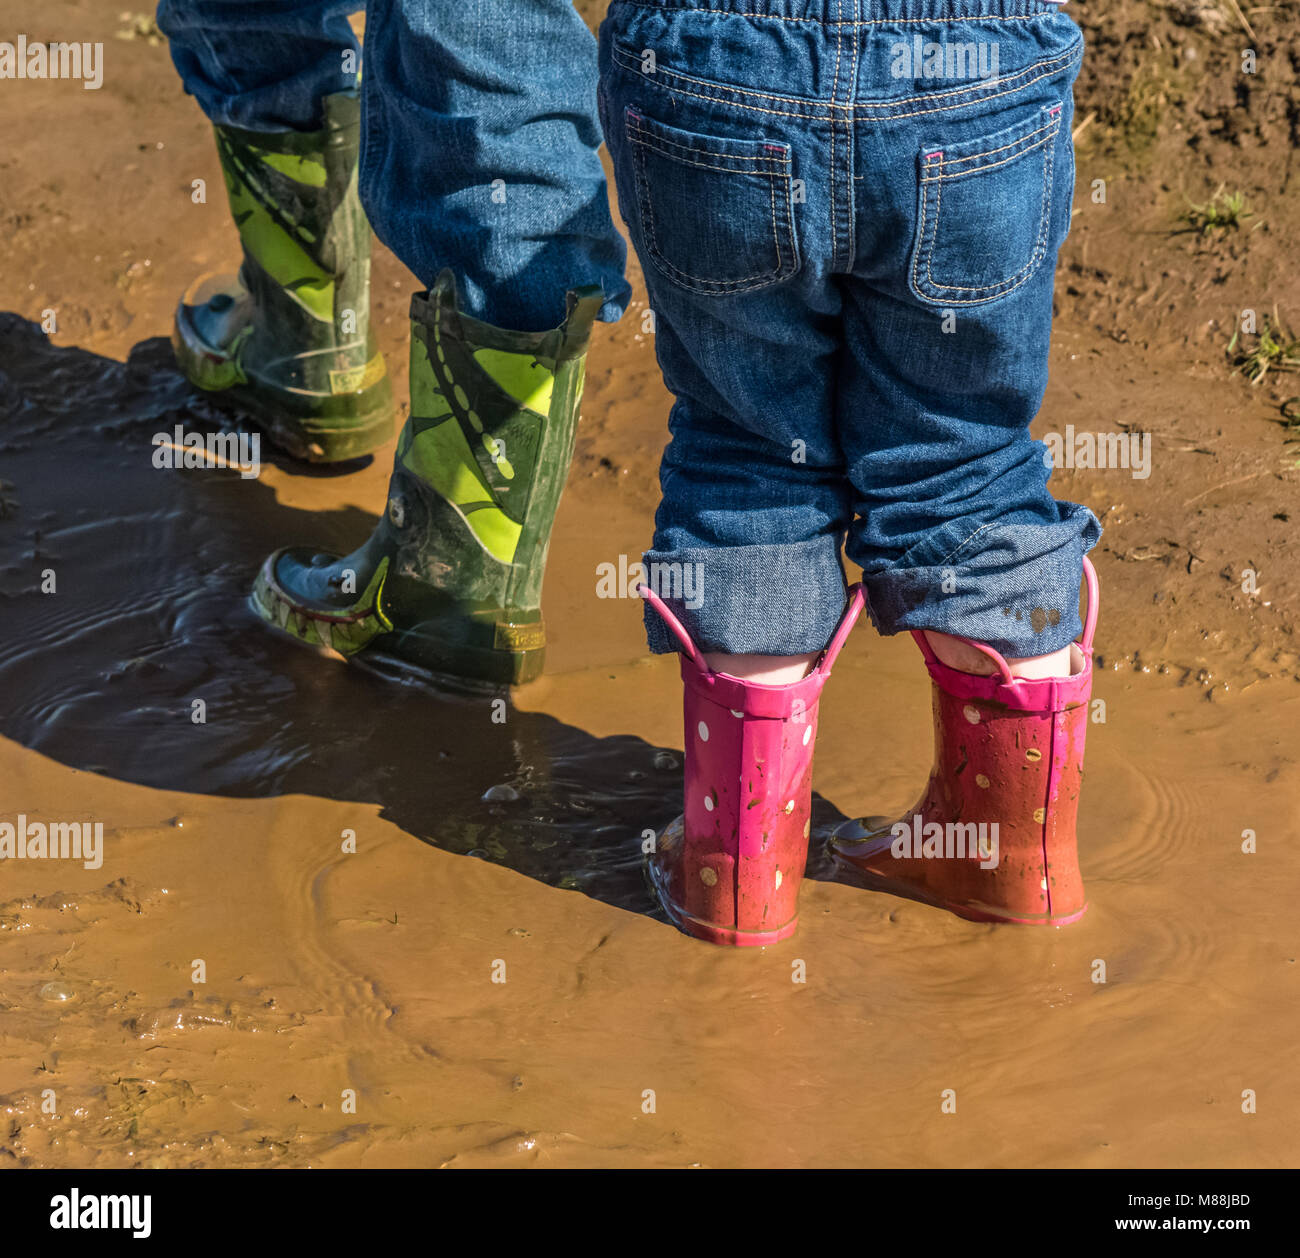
(145, 664)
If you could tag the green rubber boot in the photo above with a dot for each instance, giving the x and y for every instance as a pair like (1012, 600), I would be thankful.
(451, 579)
(288, 341)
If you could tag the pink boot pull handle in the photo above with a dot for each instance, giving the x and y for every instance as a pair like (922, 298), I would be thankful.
(857, 601)
(1091, 599)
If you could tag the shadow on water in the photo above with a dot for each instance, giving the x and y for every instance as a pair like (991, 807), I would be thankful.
(152, 568)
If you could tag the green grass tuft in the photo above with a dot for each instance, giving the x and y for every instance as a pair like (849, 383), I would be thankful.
(1273, 348)
(1222, 211)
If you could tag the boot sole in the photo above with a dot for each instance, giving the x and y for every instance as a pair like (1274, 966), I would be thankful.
(909, 891)
(711, 932)
(481, 668)
(348, 427)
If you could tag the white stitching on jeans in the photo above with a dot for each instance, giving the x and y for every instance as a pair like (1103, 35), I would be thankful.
(917, 113)
(945, 161)
(813, 106)
(776, 237)
(835, 91)
(698, 283)
(659, 143)
(963, 544)
(813, 21)
(991, 291)
(725, 170)
(976, 170)
(852, 145)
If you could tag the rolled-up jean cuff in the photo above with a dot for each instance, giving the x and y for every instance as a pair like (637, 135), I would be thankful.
(1022, 611)
(748, 600)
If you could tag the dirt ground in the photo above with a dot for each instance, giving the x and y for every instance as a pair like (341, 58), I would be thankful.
(615, 1041)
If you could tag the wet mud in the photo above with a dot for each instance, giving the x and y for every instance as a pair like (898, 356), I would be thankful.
(347, 919)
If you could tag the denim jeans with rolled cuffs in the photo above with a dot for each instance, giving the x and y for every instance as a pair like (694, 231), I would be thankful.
(848, 214)
(479, 137)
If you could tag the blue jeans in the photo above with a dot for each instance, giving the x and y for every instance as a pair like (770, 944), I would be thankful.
(848, 214)
(479, 133)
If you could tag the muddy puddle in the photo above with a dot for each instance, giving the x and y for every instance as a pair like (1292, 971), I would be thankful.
(312, 941)
(485, 983)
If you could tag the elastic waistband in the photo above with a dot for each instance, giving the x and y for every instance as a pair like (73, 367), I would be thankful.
(860, 12)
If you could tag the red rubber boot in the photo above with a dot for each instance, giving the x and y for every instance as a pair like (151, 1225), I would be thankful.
(729, 869)
(993, 837)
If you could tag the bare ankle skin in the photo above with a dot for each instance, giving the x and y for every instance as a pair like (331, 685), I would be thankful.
(766, 670)
(966, 659)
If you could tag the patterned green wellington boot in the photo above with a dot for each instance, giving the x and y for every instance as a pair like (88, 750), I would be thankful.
(451, 578)
(288, 341)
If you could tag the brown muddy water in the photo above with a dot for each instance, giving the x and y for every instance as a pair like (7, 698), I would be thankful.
(353, 1011)
(349, 1014)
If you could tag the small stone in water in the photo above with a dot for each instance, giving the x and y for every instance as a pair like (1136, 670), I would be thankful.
(665, 760)
(501, 794)
(479, 853)
(57, 991)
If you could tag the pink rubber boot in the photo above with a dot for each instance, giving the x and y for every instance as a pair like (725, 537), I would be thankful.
(730, 868)
(993, 837)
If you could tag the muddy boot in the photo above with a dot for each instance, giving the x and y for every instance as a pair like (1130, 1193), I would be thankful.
(288, 341)
(729, 870)
(451, 579)
(993, 838)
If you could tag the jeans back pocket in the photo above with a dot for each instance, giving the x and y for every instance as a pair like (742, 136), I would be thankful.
(714, 214)
(985, 212)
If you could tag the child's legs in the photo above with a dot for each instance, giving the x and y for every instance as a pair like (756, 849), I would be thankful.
(479, 152)
(956, 531)
(947, 321)
(754, 504)
(263, 65)
(748, 533)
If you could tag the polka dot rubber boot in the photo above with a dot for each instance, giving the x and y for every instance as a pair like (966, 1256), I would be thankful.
(993, 838)
(729, 869)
